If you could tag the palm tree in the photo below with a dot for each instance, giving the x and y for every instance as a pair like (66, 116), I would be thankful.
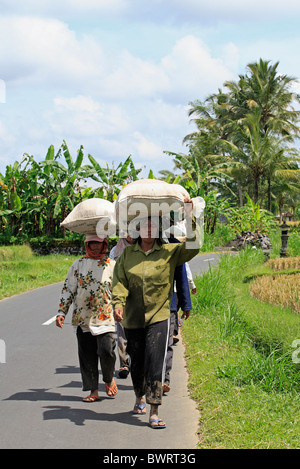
(199, 176)
(264, 89)
(203, 181)
(254, 116)
(261, 157)
(286, 196)
(282, 165)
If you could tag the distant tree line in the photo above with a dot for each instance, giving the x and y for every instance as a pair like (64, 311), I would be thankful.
(242, 153)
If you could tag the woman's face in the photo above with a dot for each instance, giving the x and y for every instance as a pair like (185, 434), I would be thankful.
(96, 247)
(148, 230)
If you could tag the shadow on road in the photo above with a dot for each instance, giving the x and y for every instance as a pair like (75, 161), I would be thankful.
(81, 416)
(43, 394)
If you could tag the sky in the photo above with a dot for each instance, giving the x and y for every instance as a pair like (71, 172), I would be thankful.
(118, 76)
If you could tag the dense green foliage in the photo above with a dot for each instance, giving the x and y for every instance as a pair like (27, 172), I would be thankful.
(35, 197)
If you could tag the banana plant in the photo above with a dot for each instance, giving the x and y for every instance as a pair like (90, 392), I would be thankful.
(112, 179)
(63, 182)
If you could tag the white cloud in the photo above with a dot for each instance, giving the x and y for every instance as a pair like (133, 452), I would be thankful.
(6, 137)
(78, 104)
(84, 117)
(187, 70)
(231, 56)
(132, 77)
(192, 71)
(2, 91)
(147, 150)
(77, 85)
(117, 104)
(46, 51)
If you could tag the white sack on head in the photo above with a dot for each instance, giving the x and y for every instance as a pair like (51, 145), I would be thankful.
(178, 230)
(149, 197)
(198, 207)
(92, 216)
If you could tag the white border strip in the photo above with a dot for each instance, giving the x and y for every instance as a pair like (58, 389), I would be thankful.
(50, 321)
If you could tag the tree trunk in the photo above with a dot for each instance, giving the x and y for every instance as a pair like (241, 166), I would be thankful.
(256, 185)
(269, 194)
(240, 193)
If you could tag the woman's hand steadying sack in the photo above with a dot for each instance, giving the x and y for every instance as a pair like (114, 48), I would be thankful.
(118, 314)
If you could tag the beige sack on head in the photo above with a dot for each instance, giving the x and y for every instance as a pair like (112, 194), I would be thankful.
(92, 216)
(149, 197)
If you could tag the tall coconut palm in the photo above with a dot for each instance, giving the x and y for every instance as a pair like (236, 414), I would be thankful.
(250, 115)
(261, 156)
(264, 89)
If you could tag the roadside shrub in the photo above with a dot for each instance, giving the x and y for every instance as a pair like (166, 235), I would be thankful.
(211, 287)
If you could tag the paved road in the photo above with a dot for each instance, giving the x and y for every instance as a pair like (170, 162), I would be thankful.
(40, 387)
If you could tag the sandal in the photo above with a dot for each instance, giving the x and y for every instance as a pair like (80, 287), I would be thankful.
(157, 423)
(139, 409)
(123, 372)
(111, 390)
(92, 398)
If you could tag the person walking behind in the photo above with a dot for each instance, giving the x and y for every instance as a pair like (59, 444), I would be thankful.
(88, 288)
(181, 299)
(193, 290)
(141, 294)
(115, 253)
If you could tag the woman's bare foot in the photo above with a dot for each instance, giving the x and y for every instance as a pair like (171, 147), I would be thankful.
(111, 388)
(139, 406)
(93, 397)
(154, 421)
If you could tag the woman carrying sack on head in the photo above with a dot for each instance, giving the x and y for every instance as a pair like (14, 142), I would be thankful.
(142, 290)
(88, 288)
(115, 253)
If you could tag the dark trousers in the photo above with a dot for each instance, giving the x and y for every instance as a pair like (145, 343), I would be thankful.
(91, 348)
(147, 350)
(122, 344)
(169, 357)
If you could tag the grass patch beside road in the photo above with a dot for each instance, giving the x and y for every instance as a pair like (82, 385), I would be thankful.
(21, 271)
(239, 356)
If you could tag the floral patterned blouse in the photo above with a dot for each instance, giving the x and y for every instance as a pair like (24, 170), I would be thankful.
(88, 288)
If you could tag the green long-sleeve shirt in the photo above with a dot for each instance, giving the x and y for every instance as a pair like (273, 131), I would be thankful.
(143, 282)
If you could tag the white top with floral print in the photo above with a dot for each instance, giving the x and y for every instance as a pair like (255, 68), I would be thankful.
(88, 288)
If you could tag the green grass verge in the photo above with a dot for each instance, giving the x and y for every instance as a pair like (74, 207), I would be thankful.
(21, 271)
(239, 357)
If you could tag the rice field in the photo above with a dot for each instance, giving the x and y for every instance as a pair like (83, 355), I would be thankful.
(282, 290)
(284, 263)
